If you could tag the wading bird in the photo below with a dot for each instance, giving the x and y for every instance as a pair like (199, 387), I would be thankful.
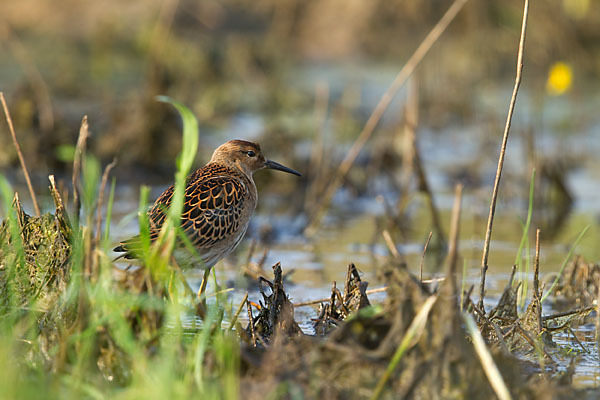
(220, 199)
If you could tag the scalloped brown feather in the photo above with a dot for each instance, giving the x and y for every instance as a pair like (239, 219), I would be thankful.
(217, 208)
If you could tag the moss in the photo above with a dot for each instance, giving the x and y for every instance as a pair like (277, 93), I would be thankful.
(43, 273)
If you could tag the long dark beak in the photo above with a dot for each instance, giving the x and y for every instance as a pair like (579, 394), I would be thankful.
(275, 165)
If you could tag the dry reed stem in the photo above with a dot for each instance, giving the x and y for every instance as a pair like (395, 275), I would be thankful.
(107, 170)
(11, 128)
(513, 99)
(454, 235)
(536, 265)
(251, 322)
(423, 256)
(79, 151)
(390, 244)
(409, 143)
(414, 163)
(377, 113)
(238, 312)
(60, 208)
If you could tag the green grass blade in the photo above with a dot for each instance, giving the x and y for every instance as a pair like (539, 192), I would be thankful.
(185, 159)
(525, 243)
(527, 221)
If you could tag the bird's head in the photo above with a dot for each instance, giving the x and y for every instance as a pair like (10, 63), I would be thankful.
(247, 157)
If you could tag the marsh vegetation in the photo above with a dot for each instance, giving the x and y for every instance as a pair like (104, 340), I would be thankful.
(364, 279)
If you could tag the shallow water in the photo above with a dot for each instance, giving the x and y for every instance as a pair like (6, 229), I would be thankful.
(320, 261)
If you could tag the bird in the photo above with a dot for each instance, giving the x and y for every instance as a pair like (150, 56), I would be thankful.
(219, 201)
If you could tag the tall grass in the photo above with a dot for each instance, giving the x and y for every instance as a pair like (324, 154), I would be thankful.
(524, 243)
(152, 361)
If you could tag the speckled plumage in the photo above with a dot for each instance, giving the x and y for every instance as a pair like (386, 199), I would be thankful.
(220, 199)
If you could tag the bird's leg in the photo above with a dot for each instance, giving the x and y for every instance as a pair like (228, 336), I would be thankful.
(201, 294)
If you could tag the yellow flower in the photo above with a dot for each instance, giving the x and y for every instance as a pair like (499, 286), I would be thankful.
(576, 9)
(559, 78)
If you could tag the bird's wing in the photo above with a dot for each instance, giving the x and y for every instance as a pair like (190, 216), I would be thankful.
(212, 211)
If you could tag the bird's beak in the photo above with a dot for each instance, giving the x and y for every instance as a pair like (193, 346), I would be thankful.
(275, 165)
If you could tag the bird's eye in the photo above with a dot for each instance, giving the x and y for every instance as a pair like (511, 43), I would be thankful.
(250, 153)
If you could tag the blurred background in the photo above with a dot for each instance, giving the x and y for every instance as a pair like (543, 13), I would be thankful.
(301, 78)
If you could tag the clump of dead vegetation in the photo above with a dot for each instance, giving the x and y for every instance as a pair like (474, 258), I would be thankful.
(414, 344)
(579, 284)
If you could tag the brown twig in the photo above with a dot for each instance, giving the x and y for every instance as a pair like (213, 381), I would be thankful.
(577, 340)
(409, 143)
(466, 298)
(377, 113)
(58, 203)
(79, 151)
(536, 266)
(11, 128)
(454, 235)
(511, 107)
(390, 244)
(251, 322)
(63, 219)
(238, 312)
(423, 256)
(377, 290)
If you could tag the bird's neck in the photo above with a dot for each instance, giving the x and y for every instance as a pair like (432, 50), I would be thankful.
(243, 175)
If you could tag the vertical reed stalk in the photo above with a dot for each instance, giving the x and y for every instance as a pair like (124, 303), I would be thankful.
(79, 153)
(380, 108)
(511, 108)
(20, 154)
(454, 237)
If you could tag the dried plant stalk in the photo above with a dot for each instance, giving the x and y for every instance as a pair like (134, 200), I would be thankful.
(20, 154)
(380, 108)
(79, 152)
(511, 108)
